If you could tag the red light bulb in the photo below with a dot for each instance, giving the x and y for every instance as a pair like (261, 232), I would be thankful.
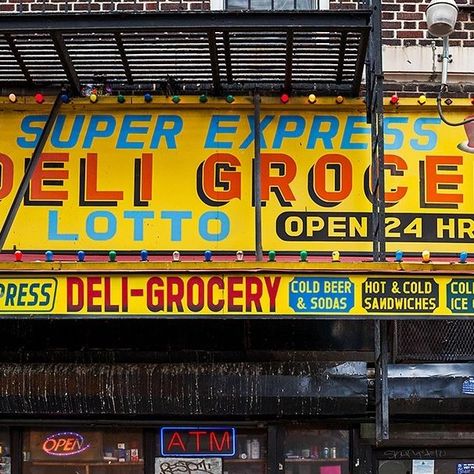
(284, 98)
(18, 256)
(394, 99)
(39, 98)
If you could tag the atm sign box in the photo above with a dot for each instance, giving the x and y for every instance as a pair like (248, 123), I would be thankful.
(197, 441)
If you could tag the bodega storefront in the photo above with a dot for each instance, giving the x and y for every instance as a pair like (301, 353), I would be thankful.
(141, 334)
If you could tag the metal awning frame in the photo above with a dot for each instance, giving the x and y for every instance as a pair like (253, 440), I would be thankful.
(209, 24)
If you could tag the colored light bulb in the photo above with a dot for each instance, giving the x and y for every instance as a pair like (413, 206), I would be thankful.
(93, 98)
(426, 256)
(144, 255)
(336, 256)
(112, 256)
(207, 256)
(64, 98)
(284, 98)
(148, 98)
(39, 98)
(203, 98)
(81, 256)
(272, 256)
(463, 257)
(399, 256)
(176, 256)
(176, 99)
(311, 98)
(394, 99)
(120, 99)
(339, 99)
(422, 99)
(12, 97)
(48, 256)
(239, 256)
(18, 256)
(229, 99)
(303, 256)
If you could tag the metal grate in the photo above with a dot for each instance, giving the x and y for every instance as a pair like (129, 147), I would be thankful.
(434, 341)
(217, 52)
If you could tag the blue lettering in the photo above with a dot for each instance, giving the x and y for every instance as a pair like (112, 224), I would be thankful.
(283, 132)
(162, 130)
(138, 218)
(397, 141)
(27, 127)
(430, 138)
(71, 141)
(128, 128)
(110, 228)
(351, 130)
(331, 126)
(215, 127)
(53, 233)
(176, 218)
(100, 126)
(251, 136)
(223, 220)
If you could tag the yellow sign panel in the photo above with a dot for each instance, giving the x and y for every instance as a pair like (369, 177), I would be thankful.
(166, 178)
(271, 295)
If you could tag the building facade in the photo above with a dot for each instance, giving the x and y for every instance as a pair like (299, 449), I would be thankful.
(202, 269)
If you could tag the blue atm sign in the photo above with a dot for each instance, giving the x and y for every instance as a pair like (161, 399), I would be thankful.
(197, 441)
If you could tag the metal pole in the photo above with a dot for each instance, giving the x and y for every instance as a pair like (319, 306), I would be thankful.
(35, 157)
(257, 179)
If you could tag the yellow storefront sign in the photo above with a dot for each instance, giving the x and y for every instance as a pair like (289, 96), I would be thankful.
(167, 177)
(233, 295)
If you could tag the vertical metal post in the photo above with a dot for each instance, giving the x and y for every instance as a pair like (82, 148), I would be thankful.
(381, 381)
(25, 182)
(375, 116)
(257, 179)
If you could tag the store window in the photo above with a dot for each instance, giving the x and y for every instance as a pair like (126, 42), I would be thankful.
(76, 451)
(269, 5)
(214, 450)
(314, 451)
(5, 462)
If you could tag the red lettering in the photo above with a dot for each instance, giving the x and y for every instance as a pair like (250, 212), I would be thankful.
(175, 294)
(434, 180)
(74, 294)
(253, 293)
(93, 293)
(225, 441)
(108, 306)
(279, 183)
(397, 167)
(197, 435)
(90, 183)
(341, 186)
(154, 294)
(272, 289)
(215, 299)
(176, 441)
(234, 293)
(45, 176)
(6, 175)
(195, 294)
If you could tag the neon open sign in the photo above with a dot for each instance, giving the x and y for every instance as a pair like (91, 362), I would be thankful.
(197, 441)
(65, 443)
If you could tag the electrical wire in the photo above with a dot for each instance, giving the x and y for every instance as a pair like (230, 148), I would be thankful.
(444, 88)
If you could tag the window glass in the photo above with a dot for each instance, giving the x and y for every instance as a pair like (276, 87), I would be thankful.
(211, 450)
(316, 451)
(76, 451)
(413, 466)
(5, 464)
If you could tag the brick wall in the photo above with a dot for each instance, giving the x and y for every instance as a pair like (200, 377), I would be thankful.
(98, 6)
